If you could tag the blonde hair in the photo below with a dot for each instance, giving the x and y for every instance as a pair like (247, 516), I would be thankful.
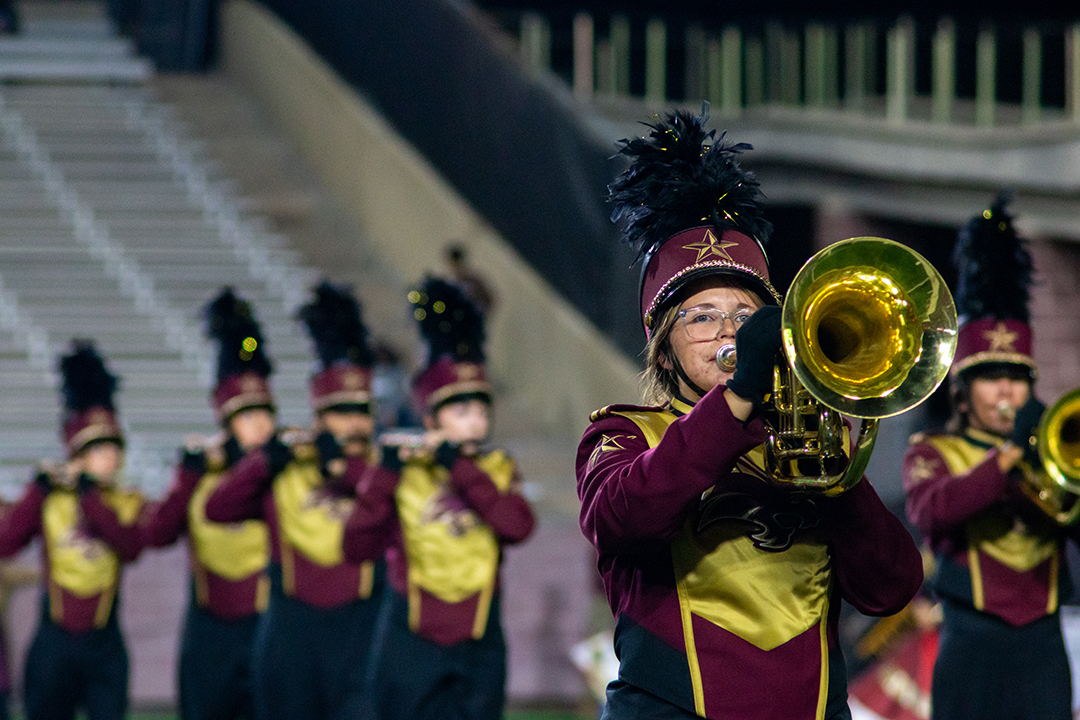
(660, 384)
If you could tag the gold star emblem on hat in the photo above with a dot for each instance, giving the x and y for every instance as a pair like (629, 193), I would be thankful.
(710, 246)
(1001, 340)
(351, 380)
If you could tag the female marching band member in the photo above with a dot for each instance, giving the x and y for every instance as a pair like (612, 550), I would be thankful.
(89, 529)
(229, 581)
(1000, 561)
(726, 589)
(446, 509)
(312, 646)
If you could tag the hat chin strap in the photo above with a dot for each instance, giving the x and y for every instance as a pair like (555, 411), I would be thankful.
(685, 378)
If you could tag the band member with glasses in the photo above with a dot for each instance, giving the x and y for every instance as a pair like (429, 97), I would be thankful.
(442, 510)
(726, 589)
(1000, 561)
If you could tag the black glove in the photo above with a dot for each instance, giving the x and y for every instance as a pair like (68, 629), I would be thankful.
(447, 453)
(1025, 424)
(278, 455)
(85, 483)
(331, 458)
(391, 458)
(44, 481)
(327, 446)
(193, 460)
(757, 343)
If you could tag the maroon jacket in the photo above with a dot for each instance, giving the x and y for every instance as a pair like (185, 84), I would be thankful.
(726, 589)
(97, 522)
(374, 529)
(168, 519)
(246, 492)
(995, 551)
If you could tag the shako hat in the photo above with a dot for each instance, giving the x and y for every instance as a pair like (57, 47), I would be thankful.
(690, 211)
(87, 389)
(994, 278)
(243, 368)
(452, 328)
(340, 338)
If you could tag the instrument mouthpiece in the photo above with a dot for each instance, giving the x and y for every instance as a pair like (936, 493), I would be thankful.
(725, 358)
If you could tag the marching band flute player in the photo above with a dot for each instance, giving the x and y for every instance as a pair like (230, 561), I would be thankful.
(229, 581)
(726, 590)
(442, 513)
(89, 528)
(312, 645)
(1000, 568)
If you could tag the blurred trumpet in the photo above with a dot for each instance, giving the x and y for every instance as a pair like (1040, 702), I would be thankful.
(1055, 487)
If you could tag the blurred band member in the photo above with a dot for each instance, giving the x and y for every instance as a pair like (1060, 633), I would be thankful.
(89, 529)
(230, 585)
(1001, 570)
(312, 645)
(446, 507)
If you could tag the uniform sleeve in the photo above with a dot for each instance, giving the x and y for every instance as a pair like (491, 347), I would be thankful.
(166, 520)
(373, 522)
(21, 522)
(937, 500)
(631, 494)
(124, 536)
(507, 513)
(876, 563)
(239, 495)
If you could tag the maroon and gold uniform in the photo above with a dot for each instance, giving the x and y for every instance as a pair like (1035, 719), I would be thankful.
(89, 529)
(311, 648)
(726, 590)
(228, 561)
(445, 528)
(87, 538)
(995, 551)
(1000, 560)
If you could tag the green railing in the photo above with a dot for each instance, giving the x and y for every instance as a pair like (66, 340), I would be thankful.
(867, 67)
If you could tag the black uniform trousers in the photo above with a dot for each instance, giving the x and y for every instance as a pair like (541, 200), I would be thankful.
(68, 670)
(215, 666)
(625, 701)
(987, 669)
(309, 663)
(413, 677)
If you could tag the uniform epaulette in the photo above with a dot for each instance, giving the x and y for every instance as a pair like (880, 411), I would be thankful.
(610, 410)
(921, 436)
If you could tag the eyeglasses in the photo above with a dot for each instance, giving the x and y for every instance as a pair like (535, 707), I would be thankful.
(705, 323)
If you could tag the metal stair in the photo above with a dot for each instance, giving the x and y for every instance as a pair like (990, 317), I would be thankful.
(114, 227)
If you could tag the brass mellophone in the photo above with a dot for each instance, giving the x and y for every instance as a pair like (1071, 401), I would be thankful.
(869, 331)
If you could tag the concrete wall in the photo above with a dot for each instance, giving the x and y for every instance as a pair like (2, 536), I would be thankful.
(551, 368)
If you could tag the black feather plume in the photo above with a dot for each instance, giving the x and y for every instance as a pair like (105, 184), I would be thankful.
(86, 382)
(682, 177)
(994, 268)
(333, 322)
(241, 348)
(450, 324)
